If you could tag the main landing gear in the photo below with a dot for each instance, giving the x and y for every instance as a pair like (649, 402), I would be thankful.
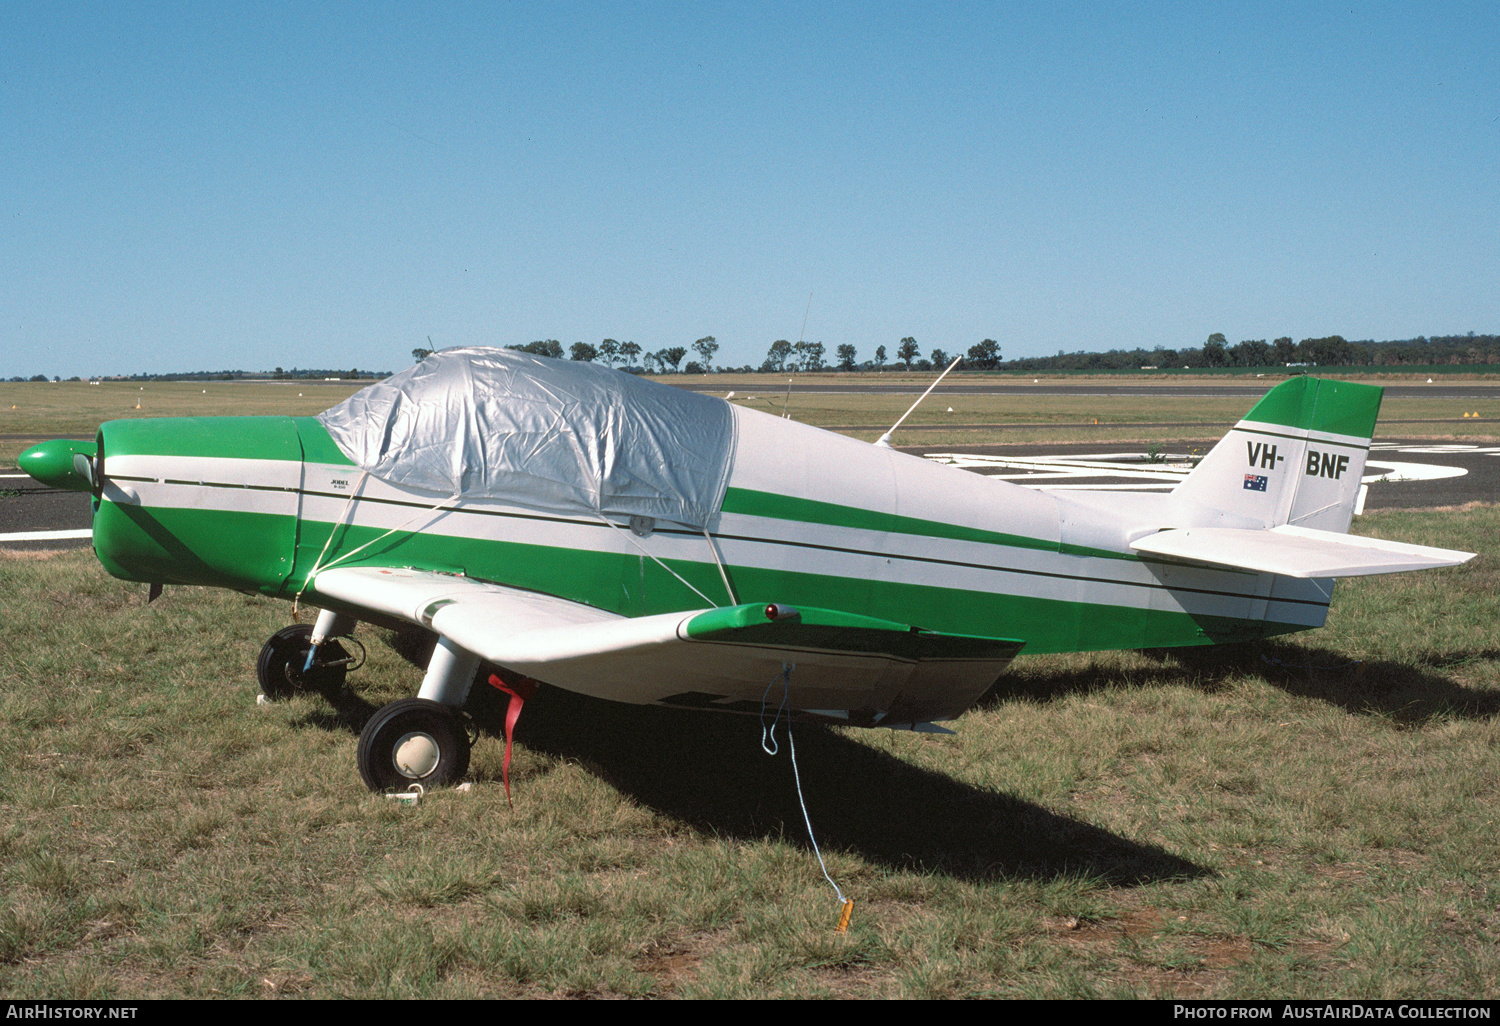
(422, 740)
(413, 741)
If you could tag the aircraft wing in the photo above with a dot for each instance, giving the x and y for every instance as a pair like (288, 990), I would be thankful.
(844, 665)
(1295, 551)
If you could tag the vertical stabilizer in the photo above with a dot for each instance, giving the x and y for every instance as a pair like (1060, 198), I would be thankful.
(1297, 457)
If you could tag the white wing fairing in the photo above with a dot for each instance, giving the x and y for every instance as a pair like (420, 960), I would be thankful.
(847, 666)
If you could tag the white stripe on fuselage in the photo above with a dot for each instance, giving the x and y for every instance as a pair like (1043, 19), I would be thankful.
(751, 541)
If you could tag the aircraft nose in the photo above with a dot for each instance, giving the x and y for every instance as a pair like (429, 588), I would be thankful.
(61, 463)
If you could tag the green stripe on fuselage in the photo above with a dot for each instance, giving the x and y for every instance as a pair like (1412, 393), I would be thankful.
(318, 445)
(245, 438)
(635, 585)
(749, 502)
(219, 548)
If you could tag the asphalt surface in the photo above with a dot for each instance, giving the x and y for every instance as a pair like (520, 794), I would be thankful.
(1402, 474)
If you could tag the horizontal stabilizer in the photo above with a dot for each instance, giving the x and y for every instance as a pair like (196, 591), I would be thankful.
(1295, 551)
(722, 658)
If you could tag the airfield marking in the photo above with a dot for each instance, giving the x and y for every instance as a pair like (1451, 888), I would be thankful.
(1410, 471)
(1141, 474)
(46, 535)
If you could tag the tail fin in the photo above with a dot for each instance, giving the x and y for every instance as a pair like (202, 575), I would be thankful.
(1297, 458)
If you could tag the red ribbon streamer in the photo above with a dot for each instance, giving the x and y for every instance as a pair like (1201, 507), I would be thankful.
(519, 691)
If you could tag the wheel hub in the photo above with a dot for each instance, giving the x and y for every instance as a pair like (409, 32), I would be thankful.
(416, 755)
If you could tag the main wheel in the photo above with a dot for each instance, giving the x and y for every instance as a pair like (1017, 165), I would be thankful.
(413, 741)
(279, 668)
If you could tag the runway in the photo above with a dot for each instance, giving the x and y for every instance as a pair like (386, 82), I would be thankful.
(1401, 474)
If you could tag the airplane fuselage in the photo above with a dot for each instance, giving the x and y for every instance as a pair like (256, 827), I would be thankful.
(809, 518)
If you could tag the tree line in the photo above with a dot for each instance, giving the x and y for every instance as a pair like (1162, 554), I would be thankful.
(782, 357)
(1331, 351)
(1215, 353)
(295, 374)
(1328, 351)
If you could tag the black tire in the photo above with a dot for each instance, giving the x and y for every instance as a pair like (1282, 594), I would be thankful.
(279, 668)
(413, 741)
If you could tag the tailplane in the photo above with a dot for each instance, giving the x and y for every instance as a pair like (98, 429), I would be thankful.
(1295, 459)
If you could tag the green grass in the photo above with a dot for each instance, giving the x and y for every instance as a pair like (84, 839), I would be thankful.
(75, 409)
(1204, 823)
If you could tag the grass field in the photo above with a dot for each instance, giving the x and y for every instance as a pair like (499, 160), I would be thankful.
(1313, 817)
(1202, 824)
(75, 409)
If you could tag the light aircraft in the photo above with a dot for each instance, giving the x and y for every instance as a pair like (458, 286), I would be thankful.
(584, 527)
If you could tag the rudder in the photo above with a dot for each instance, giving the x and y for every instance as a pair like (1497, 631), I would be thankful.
(1296, 458)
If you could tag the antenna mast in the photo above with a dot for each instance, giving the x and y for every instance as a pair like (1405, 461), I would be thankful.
(884, 441)
(786, 414)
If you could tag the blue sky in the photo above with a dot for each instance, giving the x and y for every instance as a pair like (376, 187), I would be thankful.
(212, 186)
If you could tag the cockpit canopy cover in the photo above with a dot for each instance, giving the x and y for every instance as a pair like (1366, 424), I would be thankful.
(553, 435)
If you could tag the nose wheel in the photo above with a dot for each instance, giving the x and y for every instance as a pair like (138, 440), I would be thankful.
(413, 741)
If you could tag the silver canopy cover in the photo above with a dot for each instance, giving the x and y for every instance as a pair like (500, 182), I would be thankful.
(552, 435)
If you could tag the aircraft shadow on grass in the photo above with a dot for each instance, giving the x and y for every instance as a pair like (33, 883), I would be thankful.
(711, 772)
(1409, 694)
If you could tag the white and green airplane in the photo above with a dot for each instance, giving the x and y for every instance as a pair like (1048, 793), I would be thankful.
(635, 542)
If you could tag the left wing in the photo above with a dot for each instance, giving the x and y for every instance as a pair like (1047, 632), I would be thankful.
(843, 665)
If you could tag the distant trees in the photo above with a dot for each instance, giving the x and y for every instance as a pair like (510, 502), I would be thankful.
(1250, 353)
(983, 355)
(548, 347)
(809, 355)
(706, 347)
(1215, 353)
(1330, 351)
(908, 350)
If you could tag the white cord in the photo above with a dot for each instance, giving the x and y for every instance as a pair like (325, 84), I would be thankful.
(297, 599)
(786, 687)
(733, 601)
(630, 538)
(320, 566)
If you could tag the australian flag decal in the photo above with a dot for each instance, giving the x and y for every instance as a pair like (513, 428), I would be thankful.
(1255, 483)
